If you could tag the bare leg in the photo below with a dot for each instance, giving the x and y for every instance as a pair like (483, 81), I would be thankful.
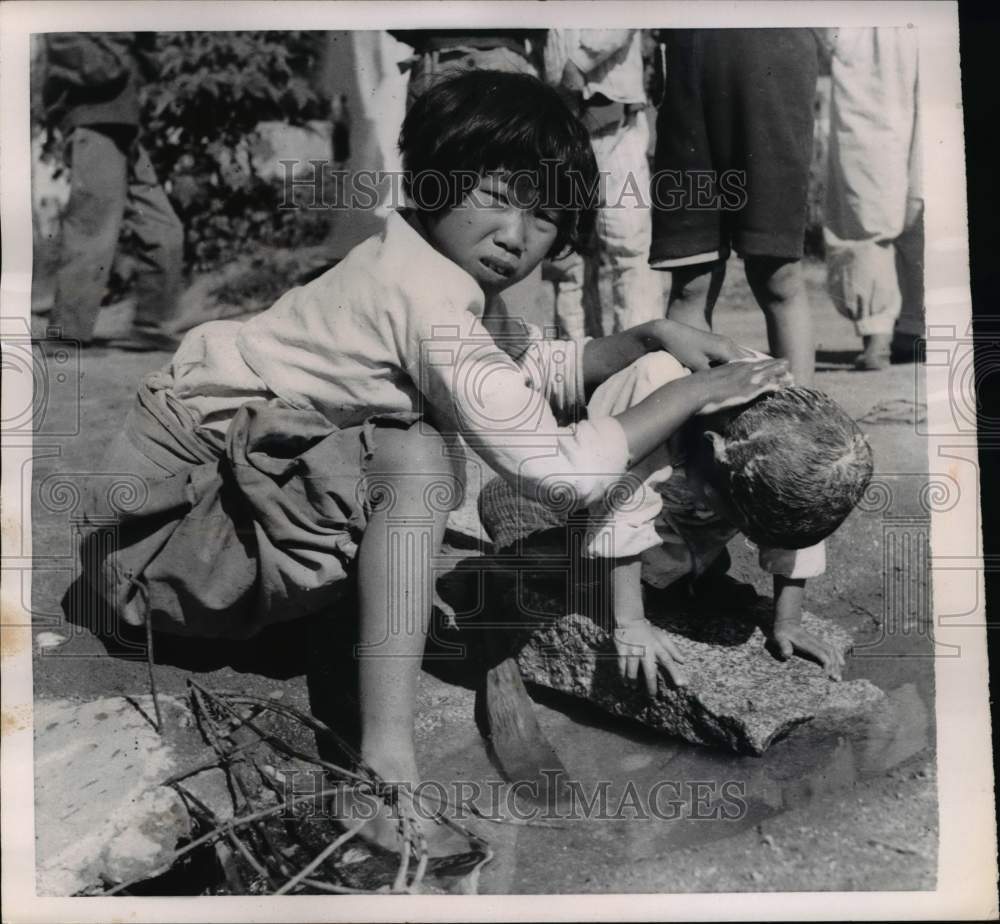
(694, 290)
(395, 596)
(780, 290)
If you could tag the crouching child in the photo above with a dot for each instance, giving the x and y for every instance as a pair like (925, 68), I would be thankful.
(784, 469)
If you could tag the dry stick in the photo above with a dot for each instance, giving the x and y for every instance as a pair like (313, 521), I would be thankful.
(207, 723)
(315, 724)
(233, 837)
(261, 830)
(223, 829)
(404, 856)
(152, 674)
(320, 858)
(309, 721)
(339, 890)
(289, 750)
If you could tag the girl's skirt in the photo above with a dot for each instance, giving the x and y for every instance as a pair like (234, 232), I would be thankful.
(217, 536)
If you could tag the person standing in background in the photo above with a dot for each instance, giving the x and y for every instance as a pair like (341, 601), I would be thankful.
(874, 225)
(438, 52)
(600, 72)
(91, 92)
(731, 171)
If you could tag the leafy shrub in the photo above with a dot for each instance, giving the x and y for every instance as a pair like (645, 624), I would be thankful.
(199, 126)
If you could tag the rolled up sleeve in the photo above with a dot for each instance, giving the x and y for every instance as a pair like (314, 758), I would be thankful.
(797, 564)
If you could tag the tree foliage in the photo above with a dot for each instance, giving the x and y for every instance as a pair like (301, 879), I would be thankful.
(199, 126)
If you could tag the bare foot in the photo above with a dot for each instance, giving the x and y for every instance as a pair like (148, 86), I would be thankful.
(382, 819)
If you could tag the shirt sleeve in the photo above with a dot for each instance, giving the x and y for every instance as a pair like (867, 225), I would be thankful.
(554, 368)
(501, 407)
(797, 564)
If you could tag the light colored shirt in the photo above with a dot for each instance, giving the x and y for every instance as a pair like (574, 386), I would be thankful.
(610, 60)
(396, 327)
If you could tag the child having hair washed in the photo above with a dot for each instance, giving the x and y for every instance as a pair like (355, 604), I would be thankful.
(288, 455)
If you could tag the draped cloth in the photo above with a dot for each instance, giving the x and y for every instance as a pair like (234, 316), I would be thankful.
(232, 533)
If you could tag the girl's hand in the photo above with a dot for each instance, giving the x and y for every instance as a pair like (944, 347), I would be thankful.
(697, 349)
(640, 644)
(740, 381)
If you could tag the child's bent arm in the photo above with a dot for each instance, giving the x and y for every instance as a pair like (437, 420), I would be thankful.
(696, 349)
(651, 421)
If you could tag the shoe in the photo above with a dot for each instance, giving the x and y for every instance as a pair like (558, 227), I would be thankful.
(907, 348)
(145, 342)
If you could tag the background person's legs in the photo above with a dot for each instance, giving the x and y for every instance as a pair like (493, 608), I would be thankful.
(694, 290)
(631, 292)
(910, 325)
(90, 229)
(156, 237)
(780, 290)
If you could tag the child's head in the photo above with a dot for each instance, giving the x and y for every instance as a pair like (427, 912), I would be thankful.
(499, 169)
(787, 468)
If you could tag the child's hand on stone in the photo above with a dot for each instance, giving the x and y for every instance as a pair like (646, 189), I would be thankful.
(740, 381)
(641, 645)
(793, 639)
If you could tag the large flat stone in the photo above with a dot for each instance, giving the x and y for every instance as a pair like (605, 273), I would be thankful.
(101, 814)
(738, 696)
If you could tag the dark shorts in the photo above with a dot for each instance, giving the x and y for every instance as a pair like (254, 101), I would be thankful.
(737, 115)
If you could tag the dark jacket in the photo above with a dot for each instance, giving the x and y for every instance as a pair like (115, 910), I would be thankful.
(93, 78)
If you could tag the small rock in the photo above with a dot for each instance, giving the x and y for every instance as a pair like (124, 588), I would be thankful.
(50, 640)
(276, 694)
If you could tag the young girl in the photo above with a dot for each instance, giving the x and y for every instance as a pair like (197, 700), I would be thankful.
(318, 442)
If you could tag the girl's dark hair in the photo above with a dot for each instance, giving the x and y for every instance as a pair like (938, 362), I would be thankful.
(795, 466)
(479, 121)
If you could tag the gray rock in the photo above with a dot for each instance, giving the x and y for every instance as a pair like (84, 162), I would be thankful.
(101, 814)
(738, 695)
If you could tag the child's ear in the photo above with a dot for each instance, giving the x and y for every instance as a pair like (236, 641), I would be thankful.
(718, 446)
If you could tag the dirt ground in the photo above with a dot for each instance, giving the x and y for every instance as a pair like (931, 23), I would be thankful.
(826, 808)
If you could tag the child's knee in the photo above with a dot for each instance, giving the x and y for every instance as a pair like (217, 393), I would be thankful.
(415, 465)
(411, 451)
(779, 280)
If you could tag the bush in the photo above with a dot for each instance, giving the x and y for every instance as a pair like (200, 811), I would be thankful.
(199, 122)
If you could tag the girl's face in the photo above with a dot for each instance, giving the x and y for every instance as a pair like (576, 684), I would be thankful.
(498, 235)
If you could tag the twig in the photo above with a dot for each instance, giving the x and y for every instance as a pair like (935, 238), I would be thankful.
(232, 836)
(311, 722)
(329, 887)
(273, 857)
(318, 860)
(152, 673)
(287, 749)
(222, 830)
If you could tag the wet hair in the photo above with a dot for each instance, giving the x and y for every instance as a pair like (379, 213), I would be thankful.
(795, 464)
(466, 126)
